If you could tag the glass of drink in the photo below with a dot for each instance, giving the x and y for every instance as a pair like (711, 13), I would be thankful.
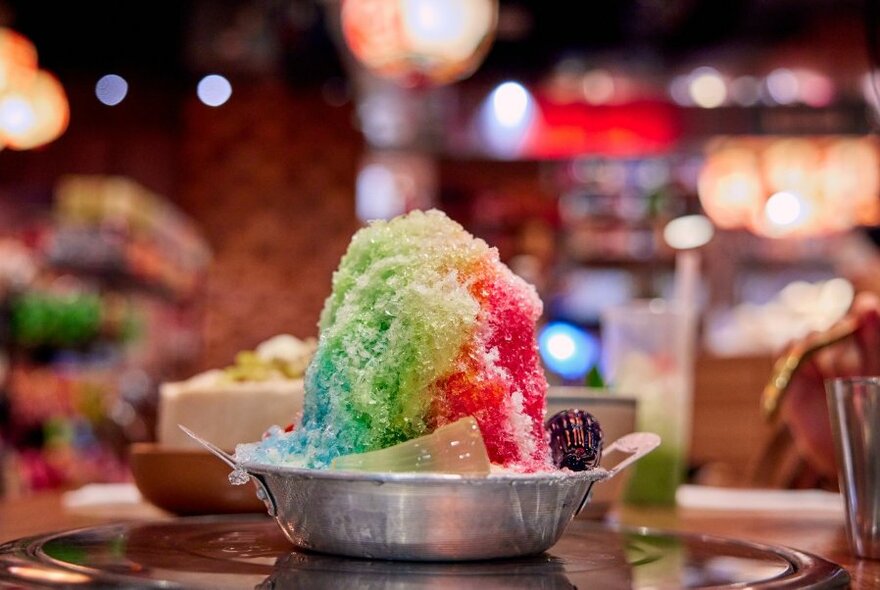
(648, 352)
(854, 408)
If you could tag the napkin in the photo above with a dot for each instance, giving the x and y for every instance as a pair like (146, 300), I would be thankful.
(102, 494)
(739, 499)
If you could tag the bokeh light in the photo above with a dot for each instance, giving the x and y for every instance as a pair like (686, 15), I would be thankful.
(745, 91)
(783, 86)
(111, 89)
(787, 186)
(707, 88)
(679, 91)
(510, 104)
(506, 118)
(852, 171)
(568, 350)
(438, 24)
(870, 82)
(784, 209)
(34, 114)
(33, 105)
(688, 231)
(419, 42)
(18, 60)
(214, 90)
(390, 183)
(376, 194)
(17, 116)
(730, 186)
(598, 86)
(814, 89)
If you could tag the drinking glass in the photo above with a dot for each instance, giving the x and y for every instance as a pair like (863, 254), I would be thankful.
(854, 408)
(648, 352)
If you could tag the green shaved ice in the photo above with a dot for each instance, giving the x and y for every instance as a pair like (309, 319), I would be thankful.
(396, 319)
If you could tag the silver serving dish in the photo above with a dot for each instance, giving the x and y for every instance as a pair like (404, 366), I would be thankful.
(428, 517)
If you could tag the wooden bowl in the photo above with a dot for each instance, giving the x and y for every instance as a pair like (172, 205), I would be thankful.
(187, 482)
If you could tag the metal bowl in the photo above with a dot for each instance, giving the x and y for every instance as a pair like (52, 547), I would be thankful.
(428, 517)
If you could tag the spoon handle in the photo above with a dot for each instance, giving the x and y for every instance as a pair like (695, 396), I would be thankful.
(211, 447)
(240, 475)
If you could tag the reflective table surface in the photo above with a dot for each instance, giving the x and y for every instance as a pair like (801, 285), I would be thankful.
(250, 552)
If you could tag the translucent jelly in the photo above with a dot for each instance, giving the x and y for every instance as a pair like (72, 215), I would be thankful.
(454, 448)
(424, 326)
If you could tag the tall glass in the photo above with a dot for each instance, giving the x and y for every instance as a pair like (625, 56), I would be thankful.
(854, 408)
(648, 352)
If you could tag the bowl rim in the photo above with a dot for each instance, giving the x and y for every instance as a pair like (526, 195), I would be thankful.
(417, 478)
(559, 393)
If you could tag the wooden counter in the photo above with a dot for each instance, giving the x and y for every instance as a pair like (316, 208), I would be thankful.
(820, 534)
(728, 431)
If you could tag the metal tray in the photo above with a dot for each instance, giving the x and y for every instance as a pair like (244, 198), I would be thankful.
(251, 552)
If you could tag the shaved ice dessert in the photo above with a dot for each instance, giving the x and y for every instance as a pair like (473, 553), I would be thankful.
(425, 326)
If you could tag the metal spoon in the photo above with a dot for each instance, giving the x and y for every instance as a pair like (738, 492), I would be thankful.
(239, 474)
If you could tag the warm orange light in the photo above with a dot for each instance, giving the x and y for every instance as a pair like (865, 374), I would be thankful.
(34, 114)
(43, 574)
(791, 164)
(419, 42)
(33, 106)
(780, 187)
(852, 170)
(730, 187)
(788, 213)
(18, 59)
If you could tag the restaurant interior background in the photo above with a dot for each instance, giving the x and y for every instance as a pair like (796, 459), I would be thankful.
(166, 229)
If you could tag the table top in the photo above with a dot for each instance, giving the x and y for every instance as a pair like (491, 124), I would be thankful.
(819, 533)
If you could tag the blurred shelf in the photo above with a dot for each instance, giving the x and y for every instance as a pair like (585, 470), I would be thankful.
(624, 263)
(118, 262)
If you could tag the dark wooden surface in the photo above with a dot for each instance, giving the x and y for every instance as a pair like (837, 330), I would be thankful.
(822, 534)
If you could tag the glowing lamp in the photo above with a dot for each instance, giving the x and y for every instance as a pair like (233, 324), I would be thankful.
(783, 187)
(419, 42)
(506, 118)
(34, 114)
(785, 211)
(688, 232)
(852, 171)
(729, 186)
(567, 350)
(111, 89)
(390, 183)
(18, 59)
(707, 88)
(33, 106)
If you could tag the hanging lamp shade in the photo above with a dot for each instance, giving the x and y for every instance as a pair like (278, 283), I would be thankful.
(730, 186)
(33, 114)
(419, 42)
(18, 59)
(792, 186)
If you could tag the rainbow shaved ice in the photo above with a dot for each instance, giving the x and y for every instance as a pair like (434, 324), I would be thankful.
(424, 326)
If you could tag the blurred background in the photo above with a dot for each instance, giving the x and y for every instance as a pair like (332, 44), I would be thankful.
(179, 180)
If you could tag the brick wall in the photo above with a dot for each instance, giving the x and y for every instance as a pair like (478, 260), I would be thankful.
(270, 178)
